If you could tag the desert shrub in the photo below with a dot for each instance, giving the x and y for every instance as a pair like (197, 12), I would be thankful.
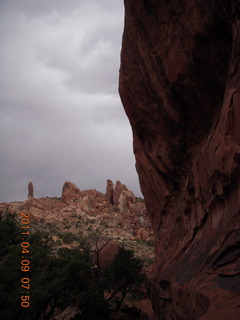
(73, 215)
(69, 237)
(150, 243)
(67, 226)
(77, 224)
(104, 224)
(58, 243)
(139, 199)
(53, 231)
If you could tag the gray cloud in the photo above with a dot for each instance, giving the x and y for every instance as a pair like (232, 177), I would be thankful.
(61, 116)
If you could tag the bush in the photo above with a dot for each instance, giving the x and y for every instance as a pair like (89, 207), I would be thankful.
(69, 237)
(123, 276)
(150, 243)
(58, 243)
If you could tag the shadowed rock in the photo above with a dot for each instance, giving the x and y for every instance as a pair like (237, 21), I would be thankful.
(180, 87)
(30, 190)
(123, 198)
(109, 191)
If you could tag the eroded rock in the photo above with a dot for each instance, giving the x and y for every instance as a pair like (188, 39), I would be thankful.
(179, 84)
(118, 191)
(30, 190)
(70, 191)
(124, 199)
(109, 191)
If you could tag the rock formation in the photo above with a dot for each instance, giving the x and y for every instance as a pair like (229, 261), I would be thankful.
(179, 84)
(30, 190)
(118, 191)
(87, 213)
(123, 198)
(70, 191)
(109, 191)
(93, 218)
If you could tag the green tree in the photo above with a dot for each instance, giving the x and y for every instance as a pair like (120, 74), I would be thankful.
(68, 277)
(9, 233)
(124, 276)
(9, 267)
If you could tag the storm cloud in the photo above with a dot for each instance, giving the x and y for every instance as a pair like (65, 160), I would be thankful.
(61, 116)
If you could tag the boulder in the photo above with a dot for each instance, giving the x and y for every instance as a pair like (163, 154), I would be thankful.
(142, 234)
(107, 253)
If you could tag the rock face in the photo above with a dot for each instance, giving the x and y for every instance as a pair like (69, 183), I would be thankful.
(180, 87)
(119, 188)
(109, 191)
(70, 191)
(107, 253)
(123, 198)
(30, 190)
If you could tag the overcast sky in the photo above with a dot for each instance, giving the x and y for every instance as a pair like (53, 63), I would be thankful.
(61, 115)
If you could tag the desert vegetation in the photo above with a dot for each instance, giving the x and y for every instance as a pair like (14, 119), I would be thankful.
(66, 283)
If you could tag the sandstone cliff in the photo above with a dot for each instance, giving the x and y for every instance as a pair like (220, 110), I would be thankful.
(179, 84)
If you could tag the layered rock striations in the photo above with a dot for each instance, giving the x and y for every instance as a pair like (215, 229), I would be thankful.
(180, 87)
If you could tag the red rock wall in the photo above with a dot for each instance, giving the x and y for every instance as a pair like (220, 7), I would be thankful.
(180, 87)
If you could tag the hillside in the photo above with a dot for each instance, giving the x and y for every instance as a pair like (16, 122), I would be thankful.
(117, 215)
(91, 224)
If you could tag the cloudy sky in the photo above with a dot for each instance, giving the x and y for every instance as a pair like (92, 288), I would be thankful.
(61, 116)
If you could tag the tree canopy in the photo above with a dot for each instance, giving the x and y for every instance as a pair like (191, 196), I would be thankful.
(63, 278)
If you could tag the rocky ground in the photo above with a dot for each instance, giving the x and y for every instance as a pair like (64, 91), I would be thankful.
(116, 218)
(79, 214)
